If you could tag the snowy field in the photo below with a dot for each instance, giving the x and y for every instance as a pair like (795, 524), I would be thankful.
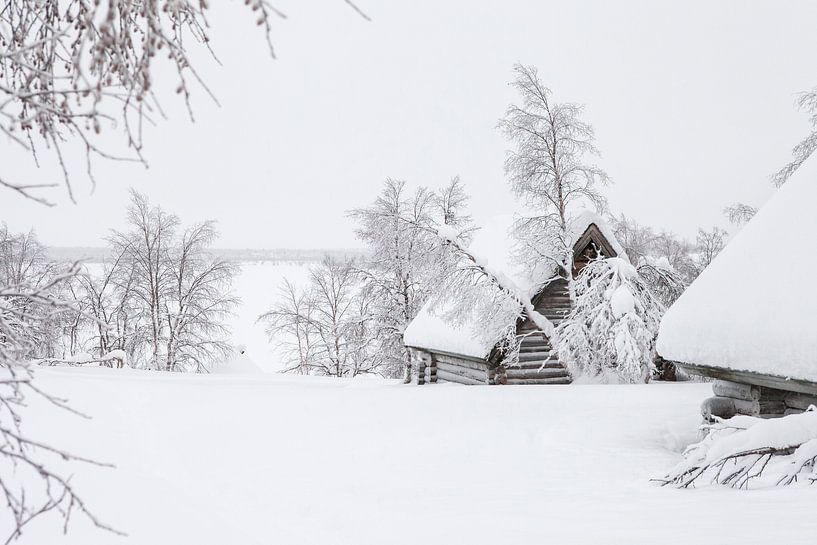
(270, 459)
(257, 286)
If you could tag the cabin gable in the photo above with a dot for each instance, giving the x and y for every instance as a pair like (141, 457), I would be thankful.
(589, 246)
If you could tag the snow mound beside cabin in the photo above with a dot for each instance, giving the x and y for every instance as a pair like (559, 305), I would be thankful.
(238, 364)
(753, 308)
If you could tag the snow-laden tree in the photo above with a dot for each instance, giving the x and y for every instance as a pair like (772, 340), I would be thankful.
(325, 328)
(739, 213)
(806, 101)
(72, 74)
(31, 483)
(23, 261)
(288, 324)
(610, 333)
(145, 247)
(548, 169)
(665, 283)
(406, 260)
(708, 244)
(109, 301)
(472, 292)
(176, 293)
(678, 253)
(637, 240)
(199, 302)
(643, 247)
(451, 203)
(745, 452)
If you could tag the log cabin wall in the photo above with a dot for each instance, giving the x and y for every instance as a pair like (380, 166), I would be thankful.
(436, 367)
(733, 398)
(450, 368)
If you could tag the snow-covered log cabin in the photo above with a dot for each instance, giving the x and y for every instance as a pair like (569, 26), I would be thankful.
(749, 321)
(461, 351)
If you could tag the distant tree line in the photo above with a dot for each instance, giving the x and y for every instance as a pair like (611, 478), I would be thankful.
(158, 302)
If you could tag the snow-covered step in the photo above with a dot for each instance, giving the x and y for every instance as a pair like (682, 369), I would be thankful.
(524, 344)
(547, 373)
(527, 350)
(533, 365)
(557, 380)
(534, 356)
(534, 341)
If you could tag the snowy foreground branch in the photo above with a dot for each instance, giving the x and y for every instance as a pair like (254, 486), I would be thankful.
(73, 72)
(32, 482)
(745, 450)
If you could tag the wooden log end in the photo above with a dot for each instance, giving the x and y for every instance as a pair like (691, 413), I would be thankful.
(721, 407)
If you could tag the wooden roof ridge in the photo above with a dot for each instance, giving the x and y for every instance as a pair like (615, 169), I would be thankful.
(593, 233)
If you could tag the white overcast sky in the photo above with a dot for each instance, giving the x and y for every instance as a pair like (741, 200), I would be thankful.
(692, 104)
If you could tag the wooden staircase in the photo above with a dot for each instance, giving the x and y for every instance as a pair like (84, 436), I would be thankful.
(537, 364)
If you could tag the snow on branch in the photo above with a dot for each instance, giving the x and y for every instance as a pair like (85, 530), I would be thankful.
(609, 335)
(70, 71)
(806, 101)
(30, 482)
(745, 451)
(114, 357)
(473, 264)
(739, 213)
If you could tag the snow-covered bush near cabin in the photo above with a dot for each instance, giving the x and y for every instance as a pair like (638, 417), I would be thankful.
(609, 335)
(665, 283)
(745, 450)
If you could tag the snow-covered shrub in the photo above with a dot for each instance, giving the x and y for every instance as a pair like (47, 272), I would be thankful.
(665, 283)
(744, 450)
(609, 335)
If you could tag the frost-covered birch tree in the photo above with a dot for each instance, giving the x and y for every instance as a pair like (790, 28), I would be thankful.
(806, 101)
(198, 303)
(406, 260)
(610, 333)
(325, 328)
(178, 291)
(109, 300)
(739, 213)
(549, 170)
(708, 245)
(146, 248)
(636, 239)
(642, 247)
(677, 253)
(288, 324)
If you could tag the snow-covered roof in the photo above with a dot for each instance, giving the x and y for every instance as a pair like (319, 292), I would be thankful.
(495, 247)
(753, 309)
